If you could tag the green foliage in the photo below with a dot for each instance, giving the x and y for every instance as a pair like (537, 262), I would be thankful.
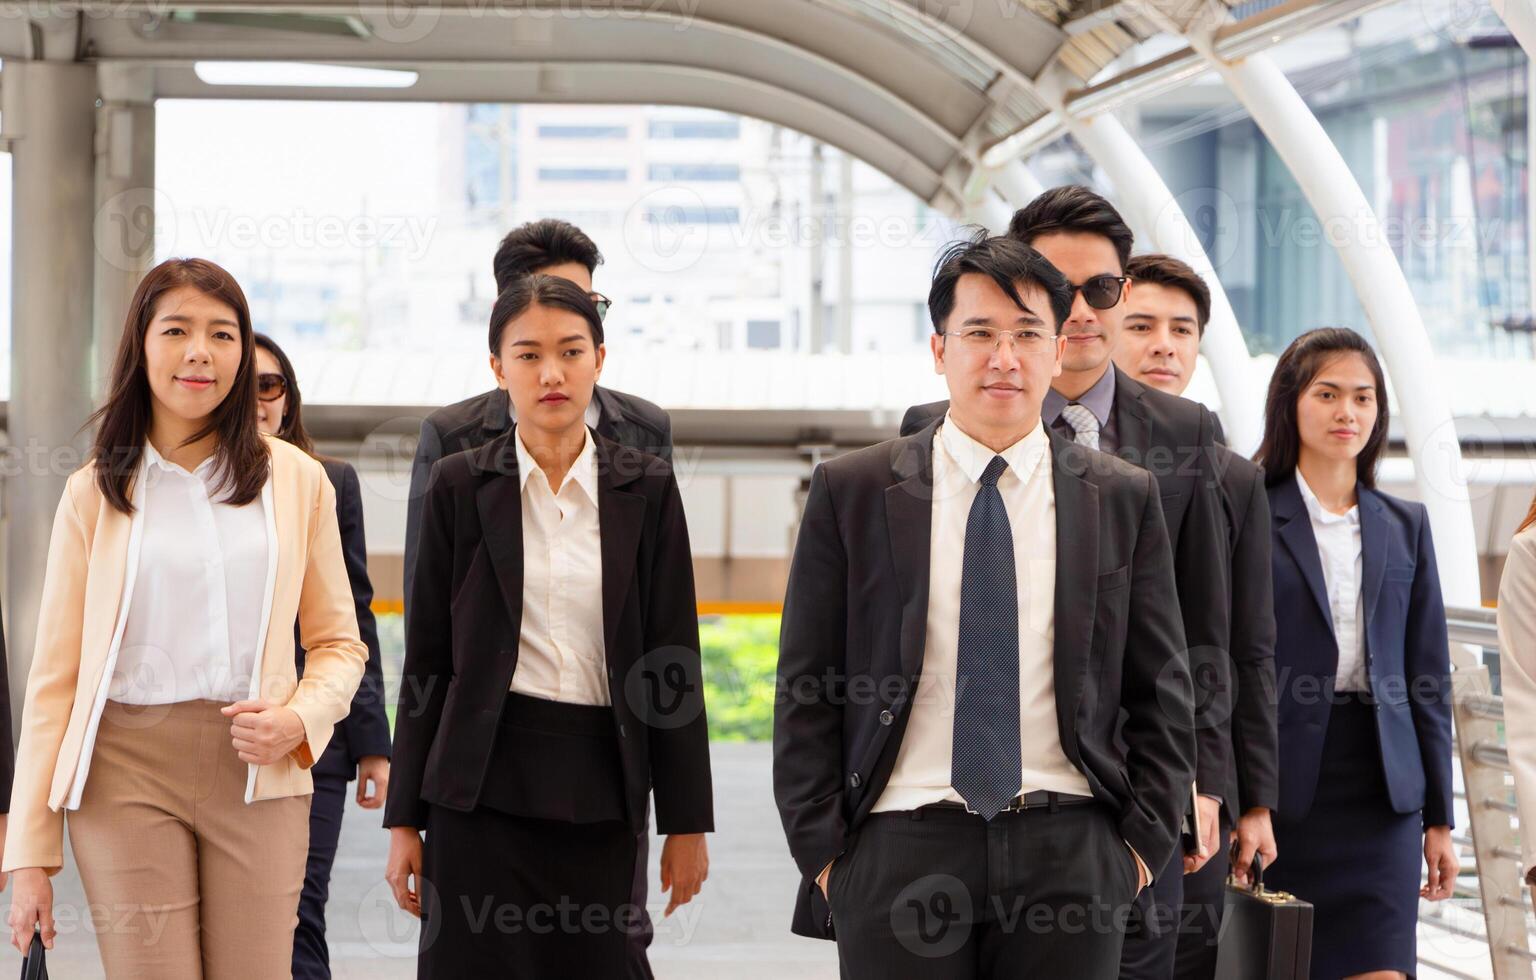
(740, 655)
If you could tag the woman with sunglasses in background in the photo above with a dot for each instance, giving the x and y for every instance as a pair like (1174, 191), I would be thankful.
(163, 710)
(1364, 667)
(360, 748)
(552, 677)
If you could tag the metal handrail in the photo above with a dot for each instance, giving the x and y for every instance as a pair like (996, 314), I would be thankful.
(1490, 835)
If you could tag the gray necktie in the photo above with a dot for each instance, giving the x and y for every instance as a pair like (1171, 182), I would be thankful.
(1085, 425)
(986, 757)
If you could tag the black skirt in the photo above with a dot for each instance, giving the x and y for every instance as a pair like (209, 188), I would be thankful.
(1353, 857)
(537, 880)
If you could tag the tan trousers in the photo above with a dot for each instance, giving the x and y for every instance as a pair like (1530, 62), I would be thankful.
(183, 880)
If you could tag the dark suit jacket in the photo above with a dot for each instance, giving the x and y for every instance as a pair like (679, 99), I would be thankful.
(853, 637)
(1254, 779)
(462, 639)
(1174, 439)
(626, 419)
(1406, 650)
(365, 730)
(7, 740)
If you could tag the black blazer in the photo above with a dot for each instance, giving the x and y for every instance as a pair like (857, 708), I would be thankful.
(7, 742)
(1174, 439)
(853, 636)
(626, 419)
(1406, 648)
(1254, 779)
(462, 640)
(365, 730)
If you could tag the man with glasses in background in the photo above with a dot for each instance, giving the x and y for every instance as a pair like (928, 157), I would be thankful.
(555, 248)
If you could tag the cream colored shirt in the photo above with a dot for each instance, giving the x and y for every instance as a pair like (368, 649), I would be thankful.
(921, 774)
(1339, 548)
(560, 653)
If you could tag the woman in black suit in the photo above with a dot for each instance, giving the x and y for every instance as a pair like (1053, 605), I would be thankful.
(360, 748)
(1363, 663)
(551, 679)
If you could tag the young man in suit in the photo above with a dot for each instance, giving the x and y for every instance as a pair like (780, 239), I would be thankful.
(556, 248)
(1097, 405)
(950, 781)
(1159, 346)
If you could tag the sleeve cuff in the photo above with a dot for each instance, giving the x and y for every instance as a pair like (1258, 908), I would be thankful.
(1146, 872)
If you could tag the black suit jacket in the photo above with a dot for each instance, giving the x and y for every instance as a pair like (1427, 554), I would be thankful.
(1407, 651)
(628, 420)
(1255, 780)
(854, 633)
(462, 639)
(365, 730)
(1174, 439)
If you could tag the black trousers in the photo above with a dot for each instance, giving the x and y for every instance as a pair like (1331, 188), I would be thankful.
(1205, 895)
(944, 894)
(538, 879)
(311, 957)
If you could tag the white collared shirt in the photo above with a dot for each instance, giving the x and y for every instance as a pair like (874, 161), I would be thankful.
(193, 629)
(560, 651)
(1339, 547)
(921, 774)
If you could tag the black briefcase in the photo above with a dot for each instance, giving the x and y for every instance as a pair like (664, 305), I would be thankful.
(34, 967)
(1266, 935)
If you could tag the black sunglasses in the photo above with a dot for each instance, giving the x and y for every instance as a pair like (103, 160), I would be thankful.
(603, 304)
(1101, 292)
(271, 387)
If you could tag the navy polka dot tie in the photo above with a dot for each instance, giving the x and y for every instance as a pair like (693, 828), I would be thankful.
(986, 761)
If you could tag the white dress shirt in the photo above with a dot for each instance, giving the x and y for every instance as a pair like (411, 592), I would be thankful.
(1339, 547)
(560, 650)
(194, 624)
(921, 774)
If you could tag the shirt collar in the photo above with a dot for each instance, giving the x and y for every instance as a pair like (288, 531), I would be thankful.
(1100, 399)
(583, 471)
(1318, 512)
(972, 457)
(154, 461)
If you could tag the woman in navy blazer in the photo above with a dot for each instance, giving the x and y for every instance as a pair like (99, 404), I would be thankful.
(1363, 666)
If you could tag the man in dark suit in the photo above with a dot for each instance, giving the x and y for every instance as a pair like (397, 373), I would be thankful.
(1159, 346)
(557, 248)
(971, 610)
(1097, 405)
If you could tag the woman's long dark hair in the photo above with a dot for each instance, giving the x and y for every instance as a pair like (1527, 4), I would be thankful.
(242, 460)
(1530, 518)
(1298, 367)
(291, 427)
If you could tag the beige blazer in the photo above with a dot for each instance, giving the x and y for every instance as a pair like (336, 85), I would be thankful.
(86, 593)
(1517, 665)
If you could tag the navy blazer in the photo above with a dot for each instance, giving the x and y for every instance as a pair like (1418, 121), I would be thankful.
(1406, 649)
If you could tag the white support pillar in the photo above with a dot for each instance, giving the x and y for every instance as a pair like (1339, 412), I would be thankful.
(1520, 17)
(125, 204)
(1287, 121)
(991, 212)
(49, 115)
(1153, 207)
(1017, 184)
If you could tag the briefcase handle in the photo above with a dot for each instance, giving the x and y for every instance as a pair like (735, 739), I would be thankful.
(1255, 870)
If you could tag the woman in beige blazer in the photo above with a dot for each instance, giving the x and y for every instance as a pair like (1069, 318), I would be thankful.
(163, 710)
(1517, 668)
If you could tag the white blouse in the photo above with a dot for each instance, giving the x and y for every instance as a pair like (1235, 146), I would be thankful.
(1339, 547)
(560, 651)
(193, 629)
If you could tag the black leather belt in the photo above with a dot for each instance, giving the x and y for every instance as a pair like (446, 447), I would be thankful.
(1040, 799)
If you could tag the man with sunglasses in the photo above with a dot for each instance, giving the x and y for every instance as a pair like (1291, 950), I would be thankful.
(1097, 405)
(556, 248)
